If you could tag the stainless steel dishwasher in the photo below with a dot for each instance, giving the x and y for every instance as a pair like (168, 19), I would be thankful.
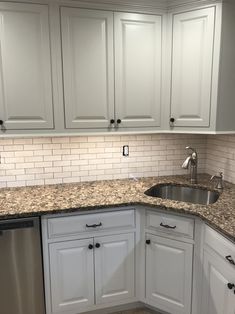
(21, 276)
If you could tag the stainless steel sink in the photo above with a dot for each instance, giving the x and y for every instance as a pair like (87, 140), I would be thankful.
(183, 193)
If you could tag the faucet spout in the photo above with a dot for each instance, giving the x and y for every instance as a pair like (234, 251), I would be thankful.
(186, 163)
(191, 161)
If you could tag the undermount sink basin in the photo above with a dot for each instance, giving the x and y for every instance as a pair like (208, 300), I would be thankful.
(183, 194)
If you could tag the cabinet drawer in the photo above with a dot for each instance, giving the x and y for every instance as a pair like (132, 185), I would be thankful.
(170, 224)
(220, 245)
(63, 226)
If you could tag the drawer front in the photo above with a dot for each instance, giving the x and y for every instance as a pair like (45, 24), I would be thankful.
(63, 226)
(220, 245)
(170, 224)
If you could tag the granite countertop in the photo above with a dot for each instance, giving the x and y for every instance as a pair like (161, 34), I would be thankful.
(62, 198)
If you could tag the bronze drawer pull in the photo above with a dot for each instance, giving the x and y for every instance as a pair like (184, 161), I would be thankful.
(230, 260)
(167, 226)
(94, 226)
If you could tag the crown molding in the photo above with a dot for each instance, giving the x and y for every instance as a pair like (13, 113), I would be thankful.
(178, 3)
(148, 6)
(134, 4)
(140, 5)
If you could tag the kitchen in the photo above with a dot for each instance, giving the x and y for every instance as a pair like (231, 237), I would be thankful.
(115, 115)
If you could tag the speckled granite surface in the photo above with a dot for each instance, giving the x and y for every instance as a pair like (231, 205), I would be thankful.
(40, 200)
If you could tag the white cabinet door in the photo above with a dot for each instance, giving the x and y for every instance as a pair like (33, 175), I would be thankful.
(25, 67)
(72, 275)
(169, 274)
(192, 60)
(87, 48)
(138, 69)
(114, 268)
(217, 297)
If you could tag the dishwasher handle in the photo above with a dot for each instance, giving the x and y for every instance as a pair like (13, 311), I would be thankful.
(5, 226)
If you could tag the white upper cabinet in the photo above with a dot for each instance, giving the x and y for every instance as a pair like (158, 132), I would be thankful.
(192, 60)
(201, 79)
(105, 70)
(87, 49)
(138, 69)
(25, 67)
(88, 37)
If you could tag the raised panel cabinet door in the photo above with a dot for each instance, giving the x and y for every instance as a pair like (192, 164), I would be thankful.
(71, 275)
(25, 67)
(217, 298)
(114, 268)
(169, 274)
(87, 47)
(138, 69)
(192, 60)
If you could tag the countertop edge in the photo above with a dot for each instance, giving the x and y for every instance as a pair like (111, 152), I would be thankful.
(88, 209)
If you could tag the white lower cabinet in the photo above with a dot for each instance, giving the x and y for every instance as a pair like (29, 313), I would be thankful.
(71, 275)
(218, 290)
(91, 271)
(168, 274)
(114, 268)
(90, 264)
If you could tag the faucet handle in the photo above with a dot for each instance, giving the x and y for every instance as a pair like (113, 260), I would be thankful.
(220, 176)
(194, 152)
(191, 148)
(220, 184)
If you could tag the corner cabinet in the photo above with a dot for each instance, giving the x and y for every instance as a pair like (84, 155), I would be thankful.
(26, 100)
(169, 261)
(218, 291)
(192, 60)
(169, 274)
(219, 276)
(91, 66)
(202, 68)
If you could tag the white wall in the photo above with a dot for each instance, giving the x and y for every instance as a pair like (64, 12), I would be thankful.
(39, 161)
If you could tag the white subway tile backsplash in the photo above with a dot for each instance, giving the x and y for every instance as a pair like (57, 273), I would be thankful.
(221, 156)
(29, 161)
(23, 141)
(60, 140)
(54, 181)
(43, 152)
(15, 183)
(33, 147)
(9, 148)
(34, 182)
(78, 139)
(42, 140)
(27, 165)
(34, 171)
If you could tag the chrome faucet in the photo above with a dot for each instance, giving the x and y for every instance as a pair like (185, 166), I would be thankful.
(220, 183)
(191, 161)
